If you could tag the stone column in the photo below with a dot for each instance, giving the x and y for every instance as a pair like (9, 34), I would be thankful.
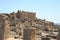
(58, 36)
(4, 31)
(29, 34)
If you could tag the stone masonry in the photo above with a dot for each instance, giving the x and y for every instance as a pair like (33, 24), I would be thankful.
(12, 25)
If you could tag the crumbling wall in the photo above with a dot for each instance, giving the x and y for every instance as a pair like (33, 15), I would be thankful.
(26, 15)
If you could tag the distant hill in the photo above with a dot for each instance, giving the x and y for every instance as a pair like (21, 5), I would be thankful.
(57, 23)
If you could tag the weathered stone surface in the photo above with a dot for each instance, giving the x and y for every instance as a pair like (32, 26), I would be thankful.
(4, 27)
(13, 24)
(29, 34)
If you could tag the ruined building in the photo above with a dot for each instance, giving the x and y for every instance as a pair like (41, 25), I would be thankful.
(12, 24)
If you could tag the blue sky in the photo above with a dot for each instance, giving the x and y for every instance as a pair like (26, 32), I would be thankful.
(45, 9)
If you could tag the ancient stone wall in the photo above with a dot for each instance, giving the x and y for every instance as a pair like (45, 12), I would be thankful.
(26, 15)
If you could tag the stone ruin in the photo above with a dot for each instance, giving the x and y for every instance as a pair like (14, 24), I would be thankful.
(12, 25)
(4, 27)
